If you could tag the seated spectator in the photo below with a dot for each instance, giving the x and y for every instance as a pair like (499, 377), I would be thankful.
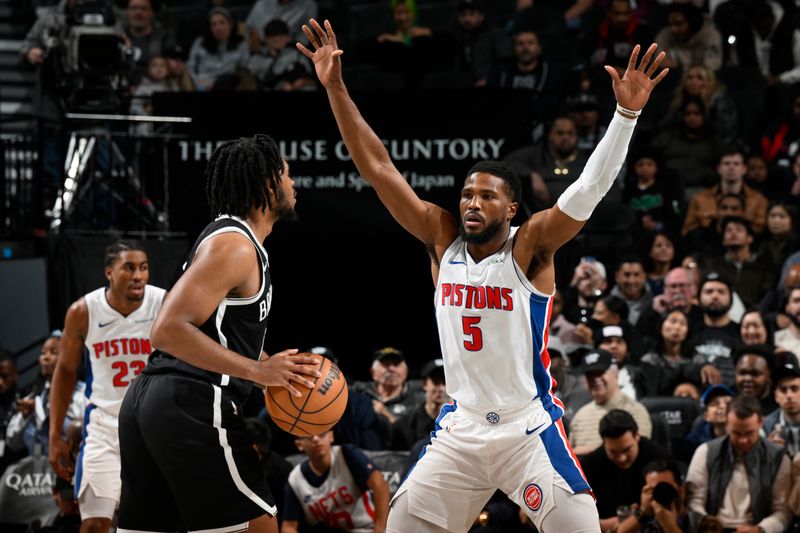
(601, 376)
(419, 423)
(660, 259)
(689, 39)
(178, 77)
(294, 13)
(782, 426)
(700, 81)
(478, 45)
(570, 386)
(551, 167)
(774, 183)
(278, 64)
(559, 326)
(754, 329)
(155, 81)
(714, 403)
(656, 199)
(29, 427)
(750, 274)
(788, 338)
(587, 285)
(615, 470)
(360, 491)
(144, 36)
(661, 508)
(391, 395)
(618, 33)
(679, 294)
(754, 366)
(528, 70)
(703, 210)
(707, 242)
(608, 311)
(219, 52)
(780, 239)
(9, 394)
(584, 108)
(631, 285)
(740, 479)
(635, 380)
(276, 468)
(714, 339)
(687, 146)
(780, 139)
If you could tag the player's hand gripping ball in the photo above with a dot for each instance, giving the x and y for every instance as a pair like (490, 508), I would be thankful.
(318, 409)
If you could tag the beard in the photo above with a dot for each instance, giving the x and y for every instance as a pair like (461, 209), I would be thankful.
(284, 209)
(491, 231)
(714, 311)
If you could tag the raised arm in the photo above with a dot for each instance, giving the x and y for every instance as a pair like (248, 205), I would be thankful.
(429, 223)
(548, 230)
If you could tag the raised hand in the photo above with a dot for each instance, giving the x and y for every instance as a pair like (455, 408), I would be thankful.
(326, 52)
(633, 89)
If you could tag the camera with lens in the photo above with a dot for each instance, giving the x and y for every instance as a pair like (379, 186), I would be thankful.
(92, 61)
(665, 494)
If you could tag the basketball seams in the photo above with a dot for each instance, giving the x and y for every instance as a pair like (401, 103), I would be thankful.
(308, 396)
(342, 389)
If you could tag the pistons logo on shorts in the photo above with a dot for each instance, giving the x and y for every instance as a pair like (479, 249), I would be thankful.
(533, 497)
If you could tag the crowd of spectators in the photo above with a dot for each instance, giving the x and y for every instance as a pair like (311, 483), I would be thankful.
(677, 360)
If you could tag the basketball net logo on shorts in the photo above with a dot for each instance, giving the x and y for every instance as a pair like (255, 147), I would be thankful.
(533, 497)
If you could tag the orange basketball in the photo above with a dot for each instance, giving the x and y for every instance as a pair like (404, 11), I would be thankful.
(317, 410)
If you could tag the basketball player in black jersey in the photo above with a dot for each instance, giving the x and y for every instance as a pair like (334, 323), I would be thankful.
(187, 463)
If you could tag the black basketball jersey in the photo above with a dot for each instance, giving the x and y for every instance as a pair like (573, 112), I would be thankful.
(239, 324)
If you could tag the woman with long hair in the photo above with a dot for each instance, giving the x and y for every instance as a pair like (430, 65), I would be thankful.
(755, 329)
(700, 81)
(219, 51)
(661, 256)
(780, 240)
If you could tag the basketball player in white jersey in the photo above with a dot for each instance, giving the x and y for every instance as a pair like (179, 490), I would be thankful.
(112, 324)
(494, 291)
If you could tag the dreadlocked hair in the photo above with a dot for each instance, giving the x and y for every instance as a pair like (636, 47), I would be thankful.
(241, 173)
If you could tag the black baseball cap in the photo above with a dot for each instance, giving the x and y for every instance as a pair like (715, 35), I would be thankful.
(324, 351)
(433, 369)
(598, 360)
(388, 354)
(786, 370)
(715, 276)
(470, 4)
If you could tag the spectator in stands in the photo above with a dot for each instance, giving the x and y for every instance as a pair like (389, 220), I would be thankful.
(419, 423)
(155, 81)
(780, 239)
(789, 337)
(294, 13)
(679, 294)
(631, 285)
(584, 108)
(358, 488)
(608, 311)
(714, 403)
(144, 36)
(714, 339)
(722, 114)
(782, 426)
(707, 241)
(587, 285)
(779, 142)
(549, 168)
(528, 70)
(754, 364)
(634, 379)
(391, 395)
(618, 33)
(661, 257)
(601, 376)
(653, 513)
(754, 329)
(9, 394)
(750, 274)
(218, 52)
(178, 77)
(687, 146)
(740, 479)
(689, 39)
(773, 183)
(731, 168)
(656, 199)
(559, 326)
(478, 45)
(278, 64)
(29, 427)
(570, 386)
(616, 470)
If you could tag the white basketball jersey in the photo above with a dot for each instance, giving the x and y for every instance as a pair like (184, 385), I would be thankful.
(493, 332)
(118, 346)
(338, 502)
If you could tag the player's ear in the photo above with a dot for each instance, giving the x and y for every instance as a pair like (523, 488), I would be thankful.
(512, 210)
(107, 271)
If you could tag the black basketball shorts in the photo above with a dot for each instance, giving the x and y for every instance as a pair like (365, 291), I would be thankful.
(187, 462)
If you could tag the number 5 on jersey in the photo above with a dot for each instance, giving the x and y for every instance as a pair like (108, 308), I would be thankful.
(474, 342)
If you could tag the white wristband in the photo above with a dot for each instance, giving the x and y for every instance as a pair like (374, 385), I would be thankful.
(630, 112)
